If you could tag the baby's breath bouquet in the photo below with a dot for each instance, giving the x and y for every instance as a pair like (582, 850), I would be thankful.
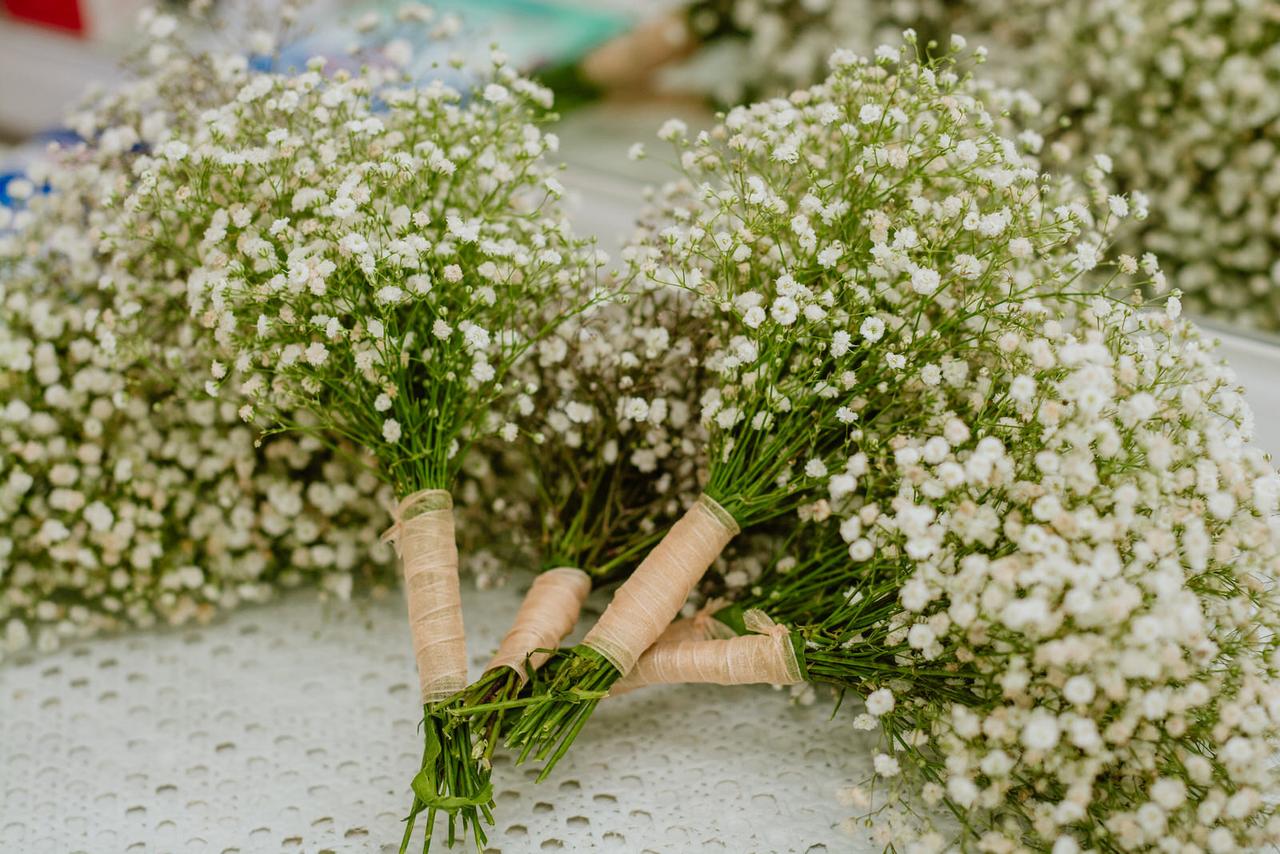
(608, 457)
(127, 499)
(1062, 624)
(850, 243)
(1097, 562)
(372, 256)
(1048, 564)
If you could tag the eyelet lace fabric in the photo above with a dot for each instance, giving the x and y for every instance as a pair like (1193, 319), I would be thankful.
(292, 727)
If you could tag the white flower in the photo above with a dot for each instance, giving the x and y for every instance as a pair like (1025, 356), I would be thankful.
(391, 430)
(1079, 690)
(869, 114)
(872, 329)
(784, 310)
(99, 516)
(390, 294)
(886, 765)
(344, 207)
(861, 550)
(1170, 793)
(672, 129)
(880, 702)
(1041, 732)
(316, 354)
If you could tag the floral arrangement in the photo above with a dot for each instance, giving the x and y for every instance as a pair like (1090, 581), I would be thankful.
(978, 548)
(944, 437)
(371, 256)
(825, 299)
(129, 499)
(1069, 586)
(608, 453)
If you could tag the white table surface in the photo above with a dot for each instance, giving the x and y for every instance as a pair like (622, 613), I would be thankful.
(293, 727)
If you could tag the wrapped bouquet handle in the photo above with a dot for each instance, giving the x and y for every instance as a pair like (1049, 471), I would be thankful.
(549, 612)
(766, 656)
(643, 607)
(423, 536)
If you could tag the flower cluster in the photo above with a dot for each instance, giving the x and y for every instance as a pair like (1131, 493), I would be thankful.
(126, 498)
(1085, 540)
(365, 250)
(848, 244)
(828, 296)
(611, 450)
(1055, 556)
(1182, 96)
(607, 459)
(372, 253)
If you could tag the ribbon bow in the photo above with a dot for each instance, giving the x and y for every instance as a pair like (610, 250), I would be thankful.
(758, 622)
(414, 504)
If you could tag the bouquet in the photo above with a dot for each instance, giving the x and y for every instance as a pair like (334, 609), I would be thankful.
(1063, 629)
(607, 463)
(371, 257)
(828, 300)
(127, 499)
(1049, 565)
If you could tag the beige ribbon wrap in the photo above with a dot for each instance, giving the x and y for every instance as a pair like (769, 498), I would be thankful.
(548, 613)
(765, 657)
(649, 600)
(424, 539)
(701, 626)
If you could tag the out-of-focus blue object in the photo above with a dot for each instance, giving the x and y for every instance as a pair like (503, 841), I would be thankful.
(14, 161)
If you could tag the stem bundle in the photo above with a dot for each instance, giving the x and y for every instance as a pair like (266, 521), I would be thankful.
(641, 610)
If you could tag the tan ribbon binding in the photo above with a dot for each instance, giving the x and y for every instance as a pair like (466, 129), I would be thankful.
(765, 657)
(548, 613)
(701, 626)
(645, 605)
(424, 539)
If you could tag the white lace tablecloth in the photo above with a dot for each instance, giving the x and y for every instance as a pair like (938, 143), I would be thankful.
(291, 727)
